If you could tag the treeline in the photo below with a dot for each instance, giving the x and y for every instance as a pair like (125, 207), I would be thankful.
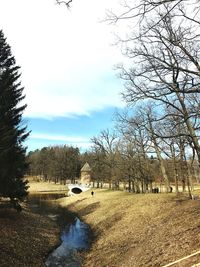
(137, 156)
(161, 77)
(57, 163)
(125, 161)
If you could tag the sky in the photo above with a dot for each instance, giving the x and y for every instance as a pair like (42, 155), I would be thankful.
(67, 61)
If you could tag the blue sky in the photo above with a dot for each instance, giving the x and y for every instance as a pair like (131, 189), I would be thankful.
(75, 131)
(67, 63)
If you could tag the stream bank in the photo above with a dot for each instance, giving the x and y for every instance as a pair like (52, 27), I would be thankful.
(75, 235)
(124, 226)
(25, 238)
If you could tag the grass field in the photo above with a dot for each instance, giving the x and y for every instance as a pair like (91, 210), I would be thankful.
(138, 230)
(128, 230)
(36, 187)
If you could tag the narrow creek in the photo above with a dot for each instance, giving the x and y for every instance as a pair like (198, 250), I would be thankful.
(75, 235)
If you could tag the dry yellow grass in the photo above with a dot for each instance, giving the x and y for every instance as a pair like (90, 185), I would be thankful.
(129, 230)
(138, 230)
(25, 238)
(36, 187)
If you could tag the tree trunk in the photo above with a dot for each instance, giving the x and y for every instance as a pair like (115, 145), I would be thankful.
(163, 170)
(157, 150)
(190, 127)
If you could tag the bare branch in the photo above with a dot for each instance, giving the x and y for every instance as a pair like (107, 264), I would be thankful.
(67, 3)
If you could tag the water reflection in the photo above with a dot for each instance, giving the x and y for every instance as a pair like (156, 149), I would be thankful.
(74, 239)
(75, 234)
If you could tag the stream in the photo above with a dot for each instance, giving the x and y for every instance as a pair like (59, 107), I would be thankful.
(75, 235)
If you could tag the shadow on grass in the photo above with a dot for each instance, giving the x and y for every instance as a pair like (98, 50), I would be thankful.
(89, 209)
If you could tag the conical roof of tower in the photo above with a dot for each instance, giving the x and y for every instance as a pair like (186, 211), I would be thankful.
(86, 168)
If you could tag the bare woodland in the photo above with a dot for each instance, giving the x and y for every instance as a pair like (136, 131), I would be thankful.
(162, 79)
(156, 140)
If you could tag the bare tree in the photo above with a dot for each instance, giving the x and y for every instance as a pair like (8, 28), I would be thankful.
(107, 143)
(140, 12)
(133, 150)
(166, 70)
(177, 149)
(139, 129)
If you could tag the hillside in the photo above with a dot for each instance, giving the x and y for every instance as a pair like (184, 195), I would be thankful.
(138, 230)
(25, 238)
(128, 230)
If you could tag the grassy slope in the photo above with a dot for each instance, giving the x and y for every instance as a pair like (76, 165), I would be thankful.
(26, 238)
(138, 230)
(129, 230)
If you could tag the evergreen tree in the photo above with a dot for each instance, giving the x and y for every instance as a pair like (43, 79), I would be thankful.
(13, 133)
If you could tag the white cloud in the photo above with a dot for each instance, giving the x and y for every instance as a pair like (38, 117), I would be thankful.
(65, 56)
(77, 141)
(66, 138)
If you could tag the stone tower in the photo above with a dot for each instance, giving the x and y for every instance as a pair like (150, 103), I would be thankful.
(86, 174)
